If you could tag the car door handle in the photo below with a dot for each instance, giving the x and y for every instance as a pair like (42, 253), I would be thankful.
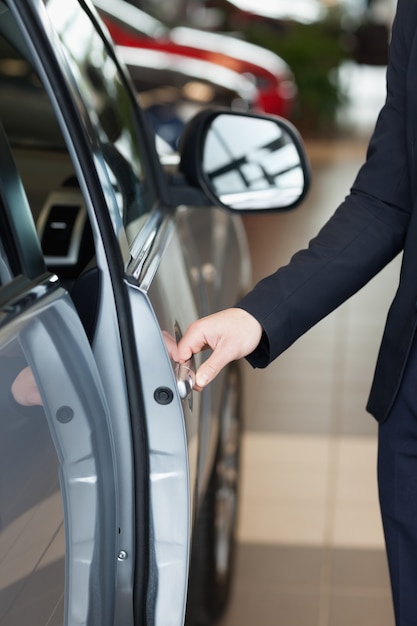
(185, 378)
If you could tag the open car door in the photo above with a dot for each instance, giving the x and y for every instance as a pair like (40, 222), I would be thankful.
(57, 477)
(90, 446)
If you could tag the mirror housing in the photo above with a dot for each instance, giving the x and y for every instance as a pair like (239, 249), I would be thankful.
(245, 161)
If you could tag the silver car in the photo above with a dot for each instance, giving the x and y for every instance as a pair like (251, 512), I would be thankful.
(118, 482)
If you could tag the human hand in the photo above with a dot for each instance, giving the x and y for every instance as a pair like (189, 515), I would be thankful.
(171, 345)
(25, 390)
(231, 334)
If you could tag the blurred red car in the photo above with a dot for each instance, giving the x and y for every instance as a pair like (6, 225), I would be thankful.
(173, 88)
(129, 26)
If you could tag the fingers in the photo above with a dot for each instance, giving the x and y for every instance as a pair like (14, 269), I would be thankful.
(194, 340)
(25, 390)
(230, 334)
(171, 345)
(210, 368)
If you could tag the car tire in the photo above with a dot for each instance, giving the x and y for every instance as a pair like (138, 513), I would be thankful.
(214, 538)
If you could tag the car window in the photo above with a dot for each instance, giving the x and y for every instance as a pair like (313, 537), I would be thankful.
(32, 543)
(112, 120)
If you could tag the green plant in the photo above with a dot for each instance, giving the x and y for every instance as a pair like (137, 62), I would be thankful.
(314, 52)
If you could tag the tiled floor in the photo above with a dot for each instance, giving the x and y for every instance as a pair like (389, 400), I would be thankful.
(310, 541)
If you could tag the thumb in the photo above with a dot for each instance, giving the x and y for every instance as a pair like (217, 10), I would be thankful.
(209, 369)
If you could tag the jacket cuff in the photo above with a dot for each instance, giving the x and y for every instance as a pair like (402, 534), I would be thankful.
(260, 357)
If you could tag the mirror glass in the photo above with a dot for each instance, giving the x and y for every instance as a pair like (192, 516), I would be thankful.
(253, 163)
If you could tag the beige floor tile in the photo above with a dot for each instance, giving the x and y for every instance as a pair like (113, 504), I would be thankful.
(358, 526)
(361, 609)
(284, 489)
(286, 523)
(357, 569)
(290, 449)
(285, 484)
(356, 487)
(304, 489)
(354, 452)
(270, 605)
(26, 548)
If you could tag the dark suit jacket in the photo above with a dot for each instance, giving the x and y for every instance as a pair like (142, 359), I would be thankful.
(375, 223)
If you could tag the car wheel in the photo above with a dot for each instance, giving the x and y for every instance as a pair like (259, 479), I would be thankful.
(214, 534)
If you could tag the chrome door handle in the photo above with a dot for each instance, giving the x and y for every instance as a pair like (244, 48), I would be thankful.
(185, 378)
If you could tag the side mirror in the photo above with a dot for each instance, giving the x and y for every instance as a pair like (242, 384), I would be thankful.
(245, 161)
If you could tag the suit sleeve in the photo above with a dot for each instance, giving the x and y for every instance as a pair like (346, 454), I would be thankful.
(365, 233)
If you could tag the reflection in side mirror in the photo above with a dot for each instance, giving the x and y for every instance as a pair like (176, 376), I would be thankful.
(246, 162)
(253, 163)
